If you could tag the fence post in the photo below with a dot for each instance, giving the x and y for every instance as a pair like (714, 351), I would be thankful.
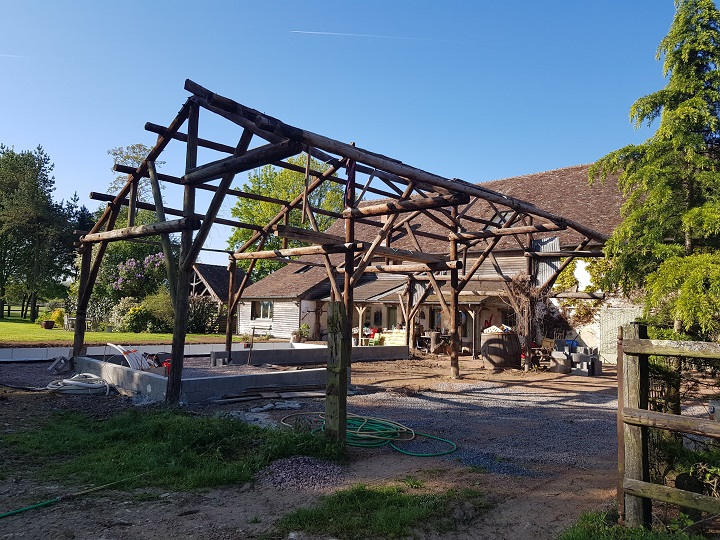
(635, 375)
(620, 428)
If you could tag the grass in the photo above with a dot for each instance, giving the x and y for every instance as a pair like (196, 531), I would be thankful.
(597, 526)
(172, 449)
(17, 332)
(379, 512)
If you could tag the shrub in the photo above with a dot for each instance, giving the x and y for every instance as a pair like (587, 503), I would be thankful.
(45, 315)
(55, 303)
(120, 311)
(159, 305)
(202, 315)
(137, 319)
(58, 315)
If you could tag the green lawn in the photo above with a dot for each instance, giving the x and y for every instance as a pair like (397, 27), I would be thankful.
(17, 332)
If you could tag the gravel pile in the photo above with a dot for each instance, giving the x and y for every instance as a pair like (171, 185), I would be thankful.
(301, 473)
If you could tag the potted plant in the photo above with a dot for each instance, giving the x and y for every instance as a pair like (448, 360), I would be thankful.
(46, 320)
(300, 334)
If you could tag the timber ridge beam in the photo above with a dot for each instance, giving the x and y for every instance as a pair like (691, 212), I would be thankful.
(272, 126)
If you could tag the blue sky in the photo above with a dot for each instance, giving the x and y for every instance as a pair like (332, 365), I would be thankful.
(477, 90)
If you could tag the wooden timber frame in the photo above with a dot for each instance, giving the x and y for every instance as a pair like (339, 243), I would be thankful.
(408, 194)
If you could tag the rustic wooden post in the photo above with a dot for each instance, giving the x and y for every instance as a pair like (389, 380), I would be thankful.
(81, 311)
(409, 316)
(232, 268)
(635, 388)
(182, 293)
(339, 360)
(454, 295)
(132, 202)
(620, 427)
(336, 387)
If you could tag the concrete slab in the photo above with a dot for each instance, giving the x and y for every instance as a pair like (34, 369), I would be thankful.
(293, 355)
(33, 354)
(195, 390)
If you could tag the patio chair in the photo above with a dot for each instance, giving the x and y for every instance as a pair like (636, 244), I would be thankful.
(68, 322)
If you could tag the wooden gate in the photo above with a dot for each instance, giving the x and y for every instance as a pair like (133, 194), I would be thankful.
(635, 491)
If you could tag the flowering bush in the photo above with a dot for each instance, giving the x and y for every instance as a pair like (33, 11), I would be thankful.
(120, 311)
(138, 319)
(139, 278)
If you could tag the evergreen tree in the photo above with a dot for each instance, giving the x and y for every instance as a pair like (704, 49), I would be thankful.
(668, 241)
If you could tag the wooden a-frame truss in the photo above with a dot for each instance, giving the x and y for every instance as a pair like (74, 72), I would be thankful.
(409, 195)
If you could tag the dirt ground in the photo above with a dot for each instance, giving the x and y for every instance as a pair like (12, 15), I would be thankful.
(536, 507)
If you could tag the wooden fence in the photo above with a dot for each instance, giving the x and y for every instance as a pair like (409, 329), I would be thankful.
(9, 310)
(635, 491)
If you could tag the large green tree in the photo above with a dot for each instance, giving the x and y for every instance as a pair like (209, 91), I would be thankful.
(667, 243)
(281, 184)
(36, 249)
(132, 156)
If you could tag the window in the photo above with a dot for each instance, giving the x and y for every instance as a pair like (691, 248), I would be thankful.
(435, 321)
(509, 318)
(392, 316)
(261, 310)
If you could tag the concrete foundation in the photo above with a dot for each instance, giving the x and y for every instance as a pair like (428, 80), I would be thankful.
(300, 353)
(196, 390)
(40, 354)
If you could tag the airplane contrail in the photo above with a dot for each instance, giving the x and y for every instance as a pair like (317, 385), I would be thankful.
(13, 56)
(364, 35)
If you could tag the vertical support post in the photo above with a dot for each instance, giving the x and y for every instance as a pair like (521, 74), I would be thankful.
(620, 427)
(474, 314)
(81, 312)
(132, 202)
(636, 385)
(529, 262)
(361, 317)
(286, 222)
(86, 286)
(182, 293)
(336, 385)
(232, 268)
(454, 296)
(409, 317)
(339, 362)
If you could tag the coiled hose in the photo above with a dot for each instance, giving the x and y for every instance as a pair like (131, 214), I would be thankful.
(369, 432)
(80, 383)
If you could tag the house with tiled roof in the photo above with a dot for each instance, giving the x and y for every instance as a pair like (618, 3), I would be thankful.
(213, 281)
(299, 292)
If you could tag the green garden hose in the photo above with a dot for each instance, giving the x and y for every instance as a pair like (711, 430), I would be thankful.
(67, 496)
(369, 432)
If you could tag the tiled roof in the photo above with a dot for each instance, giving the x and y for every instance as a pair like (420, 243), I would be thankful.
(371, 287)
(563, 192)
(217, 279)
